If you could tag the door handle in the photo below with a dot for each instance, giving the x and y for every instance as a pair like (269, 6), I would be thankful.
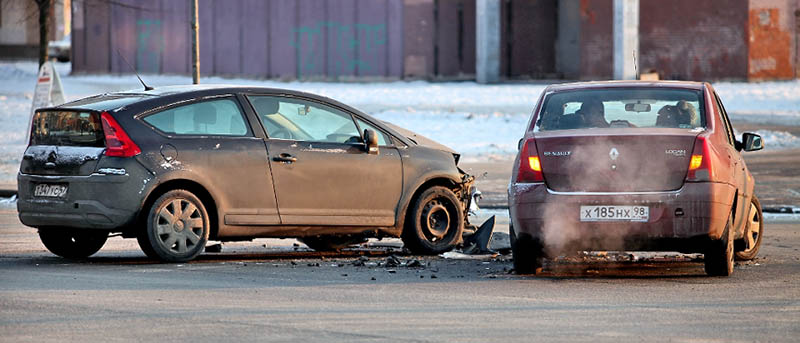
(284, 157)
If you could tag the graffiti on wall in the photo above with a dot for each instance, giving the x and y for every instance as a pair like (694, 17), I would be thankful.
(149, 44)
(348, 47)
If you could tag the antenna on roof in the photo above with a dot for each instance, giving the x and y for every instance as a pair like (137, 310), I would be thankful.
(146, 87)
(635, 66)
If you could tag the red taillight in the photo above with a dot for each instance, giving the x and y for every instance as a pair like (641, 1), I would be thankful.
(530, 167)
(700, 164)
(118, 144)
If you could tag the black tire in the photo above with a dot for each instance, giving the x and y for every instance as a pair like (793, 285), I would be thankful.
(719, 253)
(330, 242)
(749, 245)
(434, 223)
(73, 243)
(527, 253)
(177, 227)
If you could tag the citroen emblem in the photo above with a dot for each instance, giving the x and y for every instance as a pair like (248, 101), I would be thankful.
(613, 154)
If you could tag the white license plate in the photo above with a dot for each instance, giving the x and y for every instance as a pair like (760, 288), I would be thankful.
(50, 190)
(614, 213)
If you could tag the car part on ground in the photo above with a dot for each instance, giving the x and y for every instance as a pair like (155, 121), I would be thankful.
(331, 242)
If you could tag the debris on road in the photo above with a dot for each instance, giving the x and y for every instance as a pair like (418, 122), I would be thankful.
(214, 248)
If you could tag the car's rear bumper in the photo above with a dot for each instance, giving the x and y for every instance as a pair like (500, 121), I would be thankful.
(97, 201)
(679, 220)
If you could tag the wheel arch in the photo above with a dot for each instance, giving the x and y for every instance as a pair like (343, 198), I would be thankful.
(192, 186)
(436, 180)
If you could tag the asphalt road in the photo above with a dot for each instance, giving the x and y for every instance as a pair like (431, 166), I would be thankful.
(284, 293)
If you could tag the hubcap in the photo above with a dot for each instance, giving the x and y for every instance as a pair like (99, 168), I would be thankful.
(179, 225)
(753, 229)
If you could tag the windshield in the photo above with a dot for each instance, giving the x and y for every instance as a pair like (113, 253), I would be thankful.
(622, 108)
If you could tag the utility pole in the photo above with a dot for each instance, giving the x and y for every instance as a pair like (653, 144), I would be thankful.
(487, 35)
(195, 45)
(626, 39)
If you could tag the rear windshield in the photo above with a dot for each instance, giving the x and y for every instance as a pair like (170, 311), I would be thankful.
(67, 128)
(622, 108)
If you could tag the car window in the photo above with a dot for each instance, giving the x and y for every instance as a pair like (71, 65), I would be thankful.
(383, 139)
(621, 108)
(724, 119)
(302, 120)
(220, 117)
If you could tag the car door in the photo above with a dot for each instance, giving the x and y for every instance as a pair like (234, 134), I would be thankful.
(211, 140)
(738, 167)
(323, 174)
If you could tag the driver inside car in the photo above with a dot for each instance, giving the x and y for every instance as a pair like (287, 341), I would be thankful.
(592, 114)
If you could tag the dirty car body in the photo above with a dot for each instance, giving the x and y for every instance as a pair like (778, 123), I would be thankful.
(633, 166)
(177, 166)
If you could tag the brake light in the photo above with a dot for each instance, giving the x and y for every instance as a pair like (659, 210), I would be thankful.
(118, 144)
(700, 164)
(532, 170)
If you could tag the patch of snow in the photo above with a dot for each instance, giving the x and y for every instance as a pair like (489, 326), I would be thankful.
(9, 202)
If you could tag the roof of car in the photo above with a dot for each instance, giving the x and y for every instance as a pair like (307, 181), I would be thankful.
(625, 84)
(115, 100)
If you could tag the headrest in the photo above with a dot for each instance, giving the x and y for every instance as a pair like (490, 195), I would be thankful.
(265, 105)
(205, 113)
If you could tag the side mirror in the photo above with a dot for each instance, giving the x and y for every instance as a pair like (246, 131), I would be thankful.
(752, 142)
(371, 141)
(519, 143)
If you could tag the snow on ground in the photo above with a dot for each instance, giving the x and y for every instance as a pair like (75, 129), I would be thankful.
(480, 121)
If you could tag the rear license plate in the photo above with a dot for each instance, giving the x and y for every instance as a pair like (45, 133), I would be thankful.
(50, 190)
(614, 213)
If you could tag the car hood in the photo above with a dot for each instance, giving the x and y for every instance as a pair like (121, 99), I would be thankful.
(420, 139)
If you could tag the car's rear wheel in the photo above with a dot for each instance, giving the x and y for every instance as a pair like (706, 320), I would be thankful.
(177, 227)
(527, 253)
(719, 253)
(72, 243)
(753, 233)
(330, 242)
(435, 222)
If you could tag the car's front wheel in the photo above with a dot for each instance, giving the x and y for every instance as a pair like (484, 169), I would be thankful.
(72, 243)
(753, 233)
(719, 253)
(177, 227)
(527, 253)
(435, 222)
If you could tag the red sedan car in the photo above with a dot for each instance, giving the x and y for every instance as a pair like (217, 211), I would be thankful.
(633, 165)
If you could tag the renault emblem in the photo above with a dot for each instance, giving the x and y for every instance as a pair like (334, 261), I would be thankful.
(613, 154)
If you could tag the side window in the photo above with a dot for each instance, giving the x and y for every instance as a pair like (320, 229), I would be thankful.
(724, 118)
(220, 117)
(301, 120)
(383, 139)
